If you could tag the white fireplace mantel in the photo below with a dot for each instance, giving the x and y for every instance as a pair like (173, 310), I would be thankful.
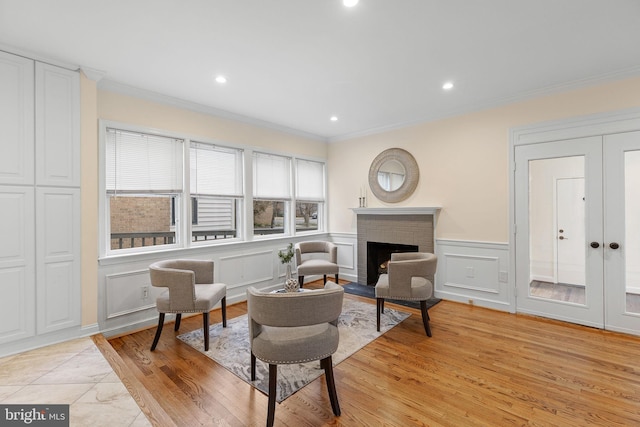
(418, 210)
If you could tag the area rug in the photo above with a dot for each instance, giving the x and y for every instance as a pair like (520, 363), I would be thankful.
(370, 292)
(230, 346)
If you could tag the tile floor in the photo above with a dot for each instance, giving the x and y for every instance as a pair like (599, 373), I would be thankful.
(74, 373)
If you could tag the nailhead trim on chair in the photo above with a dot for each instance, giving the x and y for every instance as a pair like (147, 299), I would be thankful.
(279, 362)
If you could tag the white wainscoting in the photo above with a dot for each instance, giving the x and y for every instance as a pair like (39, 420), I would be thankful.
(129, 292)
(468, 271)
(473, 273)
(250, 268)
(347, 244)
(127, 299)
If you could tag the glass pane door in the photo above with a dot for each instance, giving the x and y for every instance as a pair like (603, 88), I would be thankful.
(558, 211)
(622, 231)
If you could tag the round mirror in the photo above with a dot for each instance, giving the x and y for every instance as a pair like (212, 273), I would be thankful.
(393, 175)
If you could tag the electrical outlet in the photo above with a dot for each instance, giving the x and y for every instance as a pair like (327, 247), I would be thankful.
(145, 292)
(503, 277)
(470, 272)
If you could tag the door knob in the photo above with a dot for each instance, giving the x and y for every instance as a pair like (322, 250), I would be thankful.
(614, 245)
(595, 245)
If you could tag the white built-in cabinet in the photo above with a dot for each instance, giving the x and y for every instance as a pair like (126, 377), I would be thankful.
(39, 198)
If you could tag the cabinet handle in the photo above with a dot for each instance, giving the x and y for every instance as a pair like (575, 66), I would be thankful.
(614, 245)
(595, 245)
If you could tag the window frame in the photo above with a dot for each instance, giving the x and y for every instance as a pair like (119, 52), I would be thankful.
(105, 197)
(319, 200)
(244, 205)
(287, 200)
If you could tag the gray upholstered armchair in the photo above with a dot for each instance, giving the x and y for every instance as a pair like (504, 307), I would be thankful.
(294, 327)
(409, 277)
(316, 258)
(190, 290)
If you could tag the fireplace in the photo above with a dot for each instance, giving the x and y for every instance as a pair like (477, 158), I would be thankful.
(407, 227)
(378, 256)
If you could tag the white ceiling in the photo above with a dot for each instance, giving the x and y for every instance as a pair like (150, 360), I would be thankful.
(295, 63)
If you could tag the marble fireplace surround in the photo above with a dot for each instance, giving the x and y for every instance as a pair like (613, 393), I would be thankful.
(408, 226)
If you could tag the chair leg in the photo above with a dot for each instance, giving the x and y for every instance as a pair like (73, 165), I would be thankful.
(324, 278)
(331, 385)
(205, 329)
(273, 381)
(425, 317)
(337, 282)
(224, 312)
(158, 331)
(379, 302)
(178, 319)
(253, 367)
(301, 280)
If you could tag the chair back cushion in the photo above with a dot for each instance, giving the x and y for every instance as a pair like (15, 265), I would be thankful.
(325, 251)
(410, 276)
(294, 327)
(180, 277)
(291, 309)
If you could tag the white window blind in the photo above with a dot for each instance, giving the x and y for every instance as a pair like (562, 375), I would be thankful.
(271, 176)
(137, 162)
(215, 171)
(309, 180)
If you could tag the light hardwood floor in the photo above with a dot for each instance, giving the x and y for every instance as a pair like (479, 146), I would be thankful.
(480, 368)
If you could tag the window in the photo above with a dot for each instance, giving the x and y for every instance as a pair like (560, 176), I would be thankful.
(216, 191)
(194, 211)
(143, 182)
(271, 193)
(170, 192)
(309, 194)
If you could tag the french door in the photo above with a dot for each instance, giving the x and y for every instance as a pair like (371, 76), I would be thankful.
(577, 216)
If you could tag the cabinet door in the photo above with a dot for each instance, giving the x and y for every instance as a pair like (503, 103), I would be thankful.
(57, 126)
(58, 258)
(17, 269)
(16, 119)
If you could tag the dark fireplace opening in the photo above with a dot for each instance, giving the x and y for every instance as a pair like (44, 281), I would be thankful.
(379, 254)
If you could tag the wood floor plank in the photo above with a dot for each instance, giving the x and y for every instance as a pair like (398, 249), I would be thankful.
(481, 367)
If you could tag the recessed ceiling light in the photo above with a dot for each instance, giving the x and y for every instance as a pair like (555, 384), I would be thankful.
(221, 79)
(334, 118)
(349, 3)
(447, 86)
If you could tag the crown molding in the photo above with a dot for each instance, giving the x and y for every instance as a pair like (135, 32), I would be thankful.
(37, 57)
(498, 102)
(92, 74)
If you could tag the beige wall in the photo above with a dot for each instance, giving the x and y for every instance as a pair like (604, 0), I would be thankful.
(463, 160)
(97, 104)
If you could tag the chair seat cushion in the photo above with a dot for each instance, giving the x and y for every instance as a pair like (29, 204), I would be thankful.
(421, 289)
(207, 295)
(295, 344)
(317, 266)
